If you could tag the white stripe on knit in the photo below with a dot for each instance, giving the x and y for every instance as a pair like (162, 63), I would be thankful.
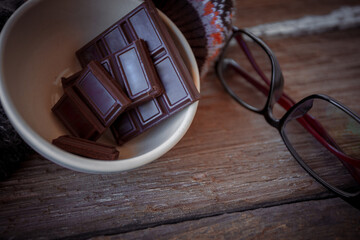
(343, 18)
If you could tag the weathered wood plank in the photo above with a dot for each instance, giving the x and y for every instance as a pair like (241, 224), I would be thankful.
(324, 219)
(230, 160)
(227, 162)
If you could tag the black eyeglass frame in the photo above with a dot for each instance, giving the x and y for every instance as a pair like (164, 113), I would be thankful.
(276, 85)
(275, 92)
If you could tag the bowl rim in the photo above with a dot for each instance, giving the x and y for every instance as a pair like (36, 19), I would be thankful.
(78, 163)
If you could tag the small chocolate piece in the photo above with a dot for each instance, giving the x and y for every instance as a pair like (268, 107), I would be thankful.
(77, 117)
(97, 89)
(144, 23)
(86, 148)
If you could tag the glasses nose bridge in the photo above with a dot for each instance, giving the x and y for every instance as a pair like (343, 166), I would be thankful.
(276, 91)
(270, 119)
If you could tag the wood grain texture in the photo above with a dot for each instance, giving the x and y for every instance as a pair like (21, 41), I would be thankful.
(288, 221)
(230, 160)
(228, 166)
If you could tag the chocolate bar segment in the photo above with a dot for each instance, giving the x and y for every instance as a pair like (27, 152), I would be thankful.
(77, 117)
(126, 127)
(134, 72)
(135, 121)
(86, 148)
(180, 91)
(91, 102)
(98, 91)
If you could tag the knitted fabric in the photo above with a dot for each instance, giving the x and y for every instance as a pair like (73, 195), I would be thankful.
(13, 150)
(206, 24)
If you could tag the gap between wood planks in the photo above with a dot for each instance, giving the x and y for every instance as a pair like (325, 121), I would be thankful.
(342, 18)
(132, 228)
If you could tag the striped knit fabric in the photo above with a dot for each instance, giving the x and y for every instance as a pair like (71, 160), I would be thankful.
(205, 24)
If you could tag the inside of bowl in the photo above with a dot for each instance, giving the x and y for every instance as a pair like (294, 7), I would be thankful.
(41, 49)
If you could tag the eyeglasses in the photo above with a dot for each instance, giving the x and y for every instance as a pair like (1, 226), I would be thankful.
(321, 134)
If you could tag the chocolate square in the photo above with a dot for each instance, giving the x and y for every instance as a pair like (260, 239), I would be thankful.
(98, 91)
(77, 117)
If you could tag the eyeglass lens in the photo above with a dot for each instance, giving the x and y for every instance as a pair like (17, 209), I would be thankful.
(339, 130)
(246, 69)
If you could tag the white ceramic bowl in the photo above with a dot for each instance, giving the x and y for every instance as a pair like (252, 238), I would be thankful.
(37, 48)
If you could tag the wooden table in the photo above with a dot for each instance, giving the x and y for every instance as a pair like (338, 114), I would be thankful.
(230, 177)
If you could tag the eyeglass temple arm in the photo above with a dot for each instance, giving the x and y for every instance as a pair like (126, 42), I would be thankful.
(310, 124)
(251, 59)
(284, 100)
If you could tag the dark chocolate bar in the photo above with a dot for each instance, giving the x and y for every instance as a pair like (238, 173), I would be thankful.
(86, 148)
(180, 91)
(77, 117)
(134, 72)
(98, 91)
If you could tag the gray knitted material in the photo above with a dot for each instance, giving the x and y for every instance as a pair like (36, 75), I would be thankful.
(13, 150)
(12, 147)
